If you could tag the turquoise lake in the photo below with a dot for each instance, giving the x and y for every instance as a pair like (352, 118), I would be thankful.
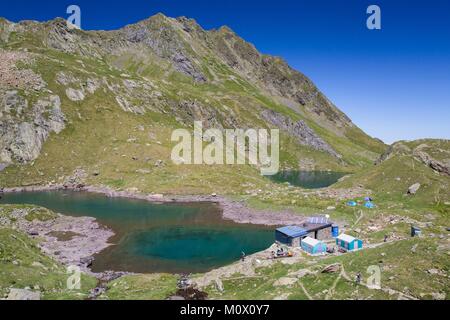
(172, 238)
(308, 179)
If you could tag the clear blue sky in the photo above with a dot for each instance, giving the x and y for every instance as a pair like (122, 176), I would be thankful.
(393, 83)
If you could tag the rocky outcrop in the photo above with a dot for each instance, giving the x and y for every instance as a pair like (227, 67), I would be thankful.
(434, 164)
(300, 130)
(128, 107)
(189, 111)
(77, 89)
(394, 149)
(23, 130)
(159, 33)
(419, 153)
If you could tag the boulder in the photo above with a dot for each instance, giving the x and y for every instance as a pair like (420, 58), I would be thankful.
(332, 268)
(285, 281)
(438, 296)
(87, 261)
(413, 189)
(74, 94)
(159, 163)
(176, 298)
(33, 233)
(23, 294)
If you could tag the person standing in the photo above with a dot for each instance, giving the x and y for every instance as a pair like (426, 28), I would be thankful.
(358, 278)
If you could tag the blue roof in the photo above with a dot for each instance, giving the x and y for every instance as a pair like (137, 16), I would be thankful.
(292, 231)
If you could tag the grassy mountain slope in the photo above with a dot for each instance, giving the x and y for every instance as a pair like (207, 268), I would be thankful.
(122, 93)
(403, 165)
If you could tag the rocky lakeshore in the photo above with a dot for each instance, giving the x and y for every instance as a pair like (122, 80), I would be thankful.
(234, 210)
(69, 240)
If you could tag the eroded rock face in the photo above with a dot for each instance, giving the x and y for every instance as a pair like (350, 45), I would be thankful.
(420, 154)
(304, 134)
(189, 111)
(159, 34)
(24, 129)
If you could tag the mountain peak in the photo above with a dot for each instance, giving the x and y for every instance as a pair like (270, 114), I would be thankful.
(226, 30)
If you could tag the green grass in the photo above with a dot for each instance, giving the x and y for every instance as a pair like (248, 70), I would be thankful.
(32, 213)
(141, 287)
(401, 271)
(392, 178)
(23, 265)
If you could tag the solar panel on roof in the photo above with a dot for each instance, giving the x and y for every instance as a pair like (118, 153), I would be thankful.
(318, 220)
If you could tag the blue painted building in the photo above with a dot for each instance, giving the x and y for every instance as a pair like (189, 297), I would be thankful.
(313, 246)
(290, 235)
(348, 243)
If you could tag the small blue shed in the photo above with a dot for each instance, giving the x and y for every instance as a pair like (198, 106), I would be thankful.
(313, 246)
(348, 243)
(290, 235)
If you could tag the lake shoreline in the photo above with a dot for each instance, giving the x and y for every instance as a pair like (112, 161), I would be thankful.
(91, 237)
(88, 227)
(235, 210)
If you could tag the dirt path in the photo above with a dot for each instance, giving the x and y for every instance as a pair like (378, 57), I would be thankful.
(358, 219)
(305, 291)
